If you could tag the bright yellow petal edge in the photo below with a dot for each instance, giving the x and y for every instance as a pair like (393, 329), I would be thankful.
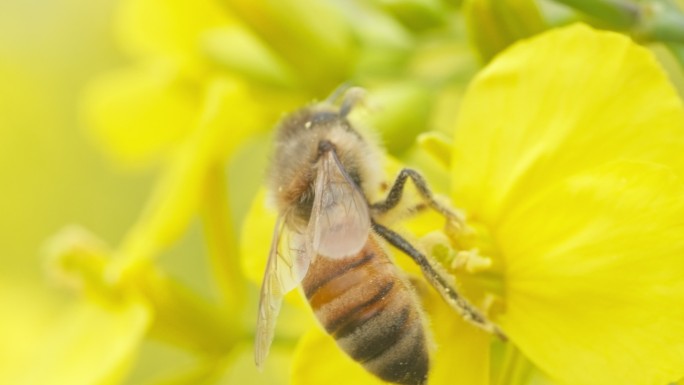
(552, 106)
(570, 147)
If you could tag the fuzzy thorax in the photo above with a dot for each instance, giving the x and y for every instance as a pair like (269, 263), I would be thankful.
(298, 137)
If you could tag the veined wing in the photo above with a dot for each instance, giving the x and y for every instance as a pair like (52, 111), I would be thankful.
(340, 218)
(288, 262)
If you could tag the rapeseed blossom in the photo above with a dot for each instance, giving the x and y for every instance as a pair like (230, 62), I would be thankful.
(565, 154)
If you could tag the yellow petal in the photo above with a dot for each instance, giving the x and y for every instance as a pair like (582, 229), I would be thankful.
(230, 115)
(595, 276)
(555, 105)
(140, 113)
(438, 145)
(93, 344)
(462, 351)
(243, 371)
(569, 147)
(256, 236)
(538, 378)
(170, 28)
(28, 310)
(221, 240)
(318, 360)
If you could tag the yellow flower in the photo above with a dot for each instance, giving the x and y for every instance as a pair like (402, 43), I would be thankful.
(94, 340)
(570, 150)
(568, 158)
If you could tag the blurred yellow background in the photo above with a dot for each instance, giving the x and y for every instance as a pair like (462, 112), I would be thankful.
(51, 174)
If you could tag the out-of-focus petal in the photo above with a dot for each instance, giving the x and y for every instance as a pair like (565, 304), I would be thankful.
(167, 28)
(230, 116)
(141, 113)
(27, 313)
(318, 360)
(93, 344)
(256, 236)
(437, 145)
(243, 371)
(237, 49)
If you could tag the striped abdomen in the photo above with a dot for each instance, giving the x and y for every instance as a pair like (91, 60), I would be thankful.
(371, 312)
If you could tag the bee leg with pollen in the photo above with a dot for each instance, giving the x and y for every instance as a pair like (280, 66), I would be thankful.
(441, 281)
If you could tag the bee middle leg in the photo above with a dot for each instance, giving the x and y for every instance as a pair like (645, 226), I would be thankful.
(395, 193)
(441, 281)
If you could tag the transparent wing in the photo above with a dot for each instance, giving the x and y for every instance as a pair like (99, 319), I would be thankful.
(288, 262)
(340, 219)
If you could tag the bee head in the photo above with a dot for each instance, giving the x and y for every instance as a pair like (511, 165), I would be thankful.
(301, 139)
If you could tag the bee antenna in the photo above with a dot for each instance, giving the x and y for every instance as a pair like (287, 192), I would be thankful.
(351, 99)
(338, 92)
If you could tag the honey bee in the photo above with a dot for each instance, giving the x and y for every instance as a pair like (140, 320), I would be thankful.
(328, 239)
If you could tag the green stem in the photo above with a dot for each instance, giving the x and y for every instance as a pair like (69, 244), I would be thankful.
(221, 241)
(516, 369)
(650, 20)
(677, 51)
(185, 319)
(619, 13)
(661, 22)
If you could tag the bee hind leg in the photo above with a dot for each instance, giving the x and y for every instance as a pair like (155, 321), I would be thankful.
(441, 281)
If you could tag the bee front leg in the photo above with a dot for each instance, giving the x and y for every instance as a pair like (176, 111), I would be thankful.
(441, 281)
(454, 219)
